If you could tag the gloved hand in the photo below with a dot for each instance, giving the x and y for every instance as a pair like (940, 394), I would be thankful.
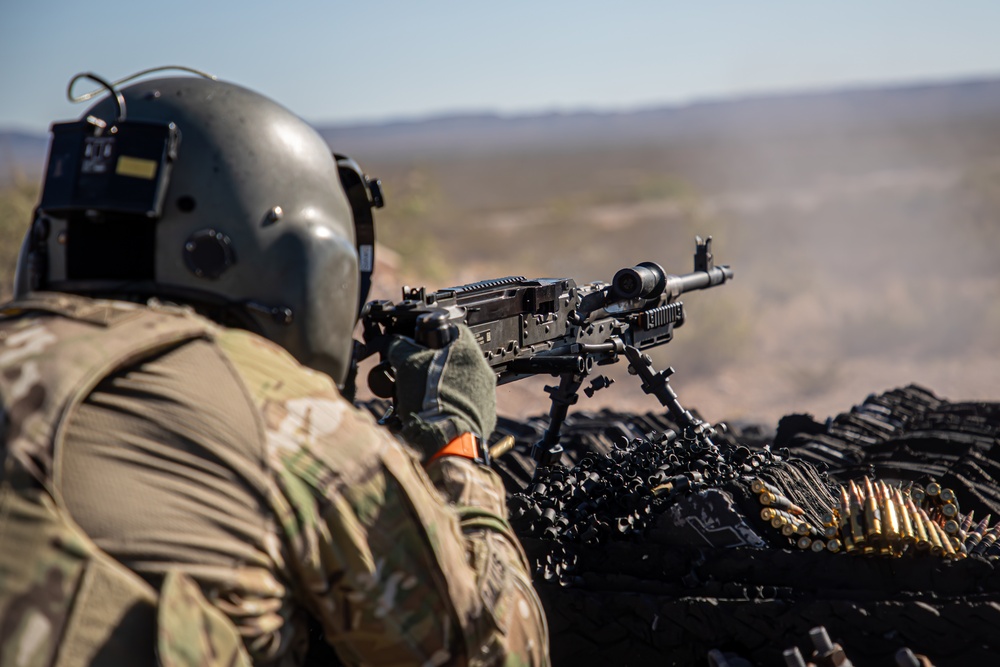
(443, 393)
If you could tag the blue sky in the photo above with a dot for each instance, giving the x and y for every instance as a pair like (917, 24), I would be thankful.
(371, 60)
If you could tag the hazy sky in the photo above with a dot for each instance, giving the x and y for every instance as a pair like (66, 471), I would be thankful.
(370, 60)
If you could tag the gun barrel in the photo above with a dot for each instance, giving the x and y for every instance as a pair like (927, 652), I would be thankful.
(677, 285)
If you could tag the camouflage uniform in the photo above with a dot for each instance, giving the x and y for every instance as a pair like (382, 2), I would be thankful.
(246, 499)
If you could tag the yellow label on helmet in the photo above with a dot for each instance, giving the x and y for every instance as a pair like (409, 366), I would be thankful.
(136, 167)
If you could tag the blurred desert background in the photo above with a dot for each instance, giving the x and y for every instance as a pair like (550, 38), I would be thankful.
(863, 226)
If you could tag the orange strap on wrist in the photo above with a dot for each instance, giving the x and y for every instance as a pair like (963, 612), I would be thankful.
(465, 445)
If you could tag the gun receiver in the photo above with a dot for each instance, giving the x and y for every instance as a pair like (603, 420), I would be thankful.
(550, 326)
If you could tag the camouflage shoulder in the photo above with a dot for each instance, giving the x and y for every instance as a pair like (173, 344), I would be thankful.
(270, 372)
(191, 632)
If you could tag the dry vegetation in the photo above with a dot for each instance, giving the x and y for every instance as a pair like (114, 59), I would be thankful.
(16, 204)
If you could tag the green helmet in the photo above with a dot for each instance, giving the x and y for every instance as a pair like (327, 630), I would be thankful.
(207, 193)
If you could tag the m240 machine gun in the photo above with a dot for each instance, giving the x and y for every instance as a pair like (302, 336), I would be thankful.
(552, 326)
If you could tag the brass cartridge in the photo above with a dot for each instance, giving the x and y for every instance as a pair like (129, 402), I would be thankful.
(933, 489)
(845, 506)
(946, 542)
(760, 486)
(804, 542)
(923, 540)
(967, 521)
(834, 545)
(950, 510)
(783, 503)
(988, 540)
(947, 495)
(951, 527)
(856, 516)
(849, 544)
(873, 517)
(830, 532)
(788, 530)
(767, 513)
(977, 534)
(905, 522)
(890, 522)
(937, 547)
(817, 546)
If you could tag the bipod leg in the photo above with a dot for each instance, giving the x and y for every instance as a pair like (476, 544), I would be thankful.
(658, 384)
(548, 450)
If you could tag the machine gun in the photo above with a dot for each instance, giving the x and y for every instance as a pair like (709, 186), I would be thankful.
(553, 327)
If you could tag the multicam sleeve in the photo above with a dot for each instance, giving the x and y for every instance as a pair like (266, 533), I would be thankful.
(397, 575)
(394, 572)
(517, 627)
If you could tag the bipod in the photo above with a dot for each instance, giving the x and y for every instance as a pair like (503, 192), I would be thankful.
(547, 451)
(695, 431)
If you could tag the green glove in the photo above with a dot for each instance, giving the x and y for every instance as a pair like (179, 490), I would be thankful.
(443, 393)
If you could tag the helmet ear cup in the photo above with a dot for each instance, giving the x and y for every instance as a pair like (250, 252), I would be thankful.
(208, 253)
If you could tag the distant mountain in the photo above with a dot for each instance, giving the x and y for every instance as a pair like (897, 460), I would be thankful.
(844, 112)
(753, 118)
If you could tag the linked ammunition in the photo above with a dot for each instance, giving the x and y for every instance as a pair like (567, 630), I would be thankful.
(833, 546)
(760, 486)
(950, 510)
(804, 542)
(803, 528)
(767, 513)
(873, 517)
(830, 532)
(993, 551)
(778, 521)
(829, 519)
(917, 494)
(780, 502)
(788, 530)
(818, 546)
(951, 527)
(947, 495)
(988, 540)
(789, 517)
(977, 534)
(933, 489)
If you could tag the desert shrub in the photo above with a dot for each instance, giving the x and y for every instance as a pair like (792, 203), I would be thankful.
(16, 203)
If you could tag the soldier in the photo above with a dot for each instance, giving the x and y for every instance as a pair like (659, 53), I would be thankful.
(183, 483)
